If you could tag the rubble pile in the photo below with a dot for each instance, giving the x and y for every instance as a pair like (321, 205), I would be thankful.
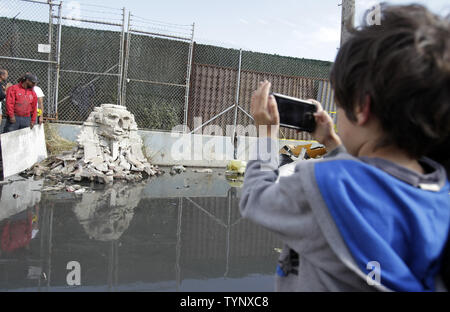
(108, 149)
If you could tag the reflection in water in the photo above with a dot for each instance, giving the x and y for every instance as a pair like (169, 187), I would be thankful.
(106, 215)
(125, 239)
(18, 231)
(18, 196)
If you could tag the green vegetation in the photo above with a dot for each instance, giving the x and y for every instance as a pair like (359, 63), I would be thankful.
(56, 144)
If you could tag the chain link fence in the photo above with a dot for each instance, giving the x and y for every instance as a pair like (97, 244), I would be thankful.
(154, 68)
(91, 55)
(157, 71)
(25, 44)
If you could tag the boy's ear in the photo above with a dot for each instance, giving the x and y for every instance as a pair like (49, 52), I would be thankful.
(362, 111)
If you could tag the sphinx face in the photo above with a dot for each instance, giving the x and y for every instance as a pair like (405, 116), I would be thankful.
(115, 123)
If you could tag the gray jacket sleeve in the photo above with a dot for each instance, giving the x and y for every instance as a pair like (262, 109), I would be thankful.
(280, 207)
(294, 209)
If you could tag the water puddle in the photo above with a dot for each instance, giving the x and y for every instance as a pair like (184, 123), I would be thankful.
(172, 233)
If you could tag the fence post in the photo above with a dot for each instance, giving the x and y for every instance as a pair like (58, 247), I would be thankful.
(188, 80)
(347, 19)
(58, 57)
(50, 65)
(121, 60)
(236, 104)
(127, 56)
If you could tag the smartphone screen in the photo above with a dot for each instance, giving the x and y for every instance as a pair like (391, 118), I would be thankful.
(296, 113)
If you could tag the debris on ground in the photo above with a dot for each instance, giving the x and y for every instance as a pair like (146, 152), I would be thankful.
(57, 187)
(237, 166)
(80, 191)
(235, 172)
(76, 189)
(291, 153)
(202, 170)
(177, 170)
(107, 149)
(5, 182)
(238, 182)
(70, 189)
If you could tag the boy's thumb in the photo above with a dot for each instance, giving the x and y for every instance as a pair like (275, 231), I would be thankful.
(273, 108)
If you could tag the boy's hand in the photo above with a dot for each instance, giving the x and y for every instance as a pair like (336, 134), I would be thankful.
(265, 111)
(324, 132)
(12, 119)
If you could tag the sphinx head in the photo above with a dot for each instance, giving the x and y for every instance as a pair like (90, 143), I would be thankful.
(114, 121)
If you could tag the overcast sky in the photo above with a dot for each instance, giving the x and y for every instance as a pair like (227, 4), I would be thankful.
(298, 28)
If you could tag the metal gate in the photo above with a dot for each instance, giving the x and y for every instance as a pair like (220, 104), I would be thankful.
(89, 58)
(156, 87)
(77, 53)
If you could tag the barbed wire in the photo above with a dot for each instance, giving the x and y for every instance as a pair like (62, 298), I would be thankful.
(160, 22)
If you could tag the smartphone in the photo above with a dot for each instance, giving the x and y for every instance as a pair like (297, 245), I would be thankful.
(296, 113)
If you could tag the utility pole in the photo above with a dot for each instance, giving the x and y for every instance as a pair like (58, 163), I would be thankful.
(347, 19)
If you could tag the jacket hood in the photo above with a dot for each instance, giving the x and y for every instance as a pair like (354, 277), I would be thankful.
(385, 220)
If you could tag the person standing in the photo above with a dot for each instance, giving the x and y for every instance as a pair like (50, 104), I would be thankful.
(40, 104)
(40, 99)
(21, 104)
(3, 88)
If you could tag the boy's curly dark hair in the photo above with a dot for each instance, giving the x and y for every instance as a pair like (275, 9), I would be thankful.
(403, 65)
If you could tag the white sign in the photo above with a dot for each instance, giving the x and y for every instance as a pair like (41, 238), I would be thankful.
(44, 48)
(22, 148)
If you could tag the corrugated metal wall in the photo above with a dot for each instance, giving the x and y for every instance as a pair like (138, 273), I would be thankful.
(299, 87)
(326, 97)
(213, 90)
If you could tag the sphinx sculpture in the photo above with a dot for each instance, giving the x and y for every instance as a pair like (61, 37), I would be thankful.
(108, 148)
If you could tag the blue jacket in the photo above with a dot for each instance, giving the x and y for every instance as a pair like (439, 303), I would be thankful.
(340, 215)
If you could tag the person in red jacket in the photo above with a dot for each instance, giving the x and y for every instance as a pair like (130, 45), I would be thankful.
(21, 103)
(17, 232)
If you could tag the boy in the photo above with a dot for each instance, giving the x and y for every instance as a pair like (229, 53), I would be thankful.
(374, 214)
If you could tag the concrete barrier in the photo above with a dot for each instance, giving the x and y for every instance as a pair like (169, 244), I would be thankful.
(193, 150)
(21, 149)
